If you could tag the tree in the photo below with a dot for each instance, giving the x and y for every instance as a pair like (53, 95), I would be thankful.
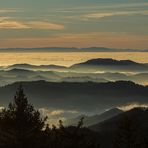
(21, 126)
(21, 120)
(76, 136)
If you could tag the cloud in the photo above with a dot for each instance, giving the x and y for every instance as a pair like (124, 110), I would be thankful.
(10, 10)
(55, 115)
(132, 105)
(1, 108)
(49, 112)
(2, 18)
(45, 25)
(104, 6)
(120, 13)
(12, 25)
(8, 23)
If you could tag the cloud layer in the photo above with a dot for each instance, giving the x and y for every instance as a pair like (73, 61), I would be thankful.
(55, 115)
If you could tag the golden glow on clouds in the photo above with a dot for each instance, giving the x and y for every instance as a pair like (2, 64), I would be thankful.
(66, 58)
(2, 18)
(8, 23)
(132, 105)
(48, 112)
(12, 25)
(55, 115)
(114, 40)
(121, 13)
(45, 25)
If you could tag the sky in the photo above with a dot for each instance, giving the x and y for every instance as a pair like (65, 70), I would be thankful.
(74, 23)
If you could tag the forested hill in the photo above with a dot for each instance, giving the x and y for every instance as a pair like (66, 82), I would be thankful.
(80, 96)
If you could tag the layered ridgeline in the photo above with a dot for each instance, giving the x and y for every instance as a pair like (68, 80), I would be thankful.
(95, 70)
(81, 97)
(34, 67)
(93, 65)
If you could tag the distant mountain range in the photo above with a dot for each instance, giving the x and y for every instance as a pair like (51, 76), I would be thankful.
(72, 49)
(93, 65)
(87, 96)
(95, 70)
(111, 65)
(15, 75)
(36, 67)
(83, 79)
(95, 119)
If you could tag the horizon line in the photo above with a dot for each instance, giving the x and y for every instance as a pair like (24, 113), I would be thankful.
(81, 49)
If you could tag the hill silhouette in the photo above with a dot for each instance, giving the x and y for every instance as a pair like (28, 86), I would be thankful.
(35, 67)
(71, 96)
(110, 65)
(131, 123)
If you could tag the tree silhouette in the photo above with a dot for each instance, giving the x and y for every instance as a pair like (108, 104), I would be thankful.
(21, 126)
(21, 120)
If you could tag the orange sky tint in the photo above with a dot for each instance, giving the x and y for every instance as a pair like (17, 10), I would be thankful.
(74, 23)
(114, 40)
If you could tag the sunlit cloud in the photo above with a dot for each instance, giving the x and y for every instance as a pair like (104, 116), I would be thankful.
(132, 105)
(45, 25)
(1, 108)
(109, 14)
(54, 115)
(12, 25)
(8, 23)
(2, 18)
(49, 112)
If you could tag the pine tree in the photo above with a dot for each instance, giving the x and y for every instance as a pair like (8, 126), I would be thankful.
(21, 126)
(21, 120)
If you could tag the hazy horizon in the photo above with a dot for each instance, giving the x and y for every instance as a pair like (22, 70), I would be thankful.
(66, 58)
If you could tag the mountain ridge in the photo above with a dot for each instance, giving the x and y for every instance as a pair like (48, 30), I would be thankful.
(72, 49)
(71, 96)
(109, 64)
(94, 119)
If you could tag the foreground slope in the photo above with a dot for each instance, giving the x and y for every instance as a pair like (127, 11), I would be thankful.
(131, 123)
